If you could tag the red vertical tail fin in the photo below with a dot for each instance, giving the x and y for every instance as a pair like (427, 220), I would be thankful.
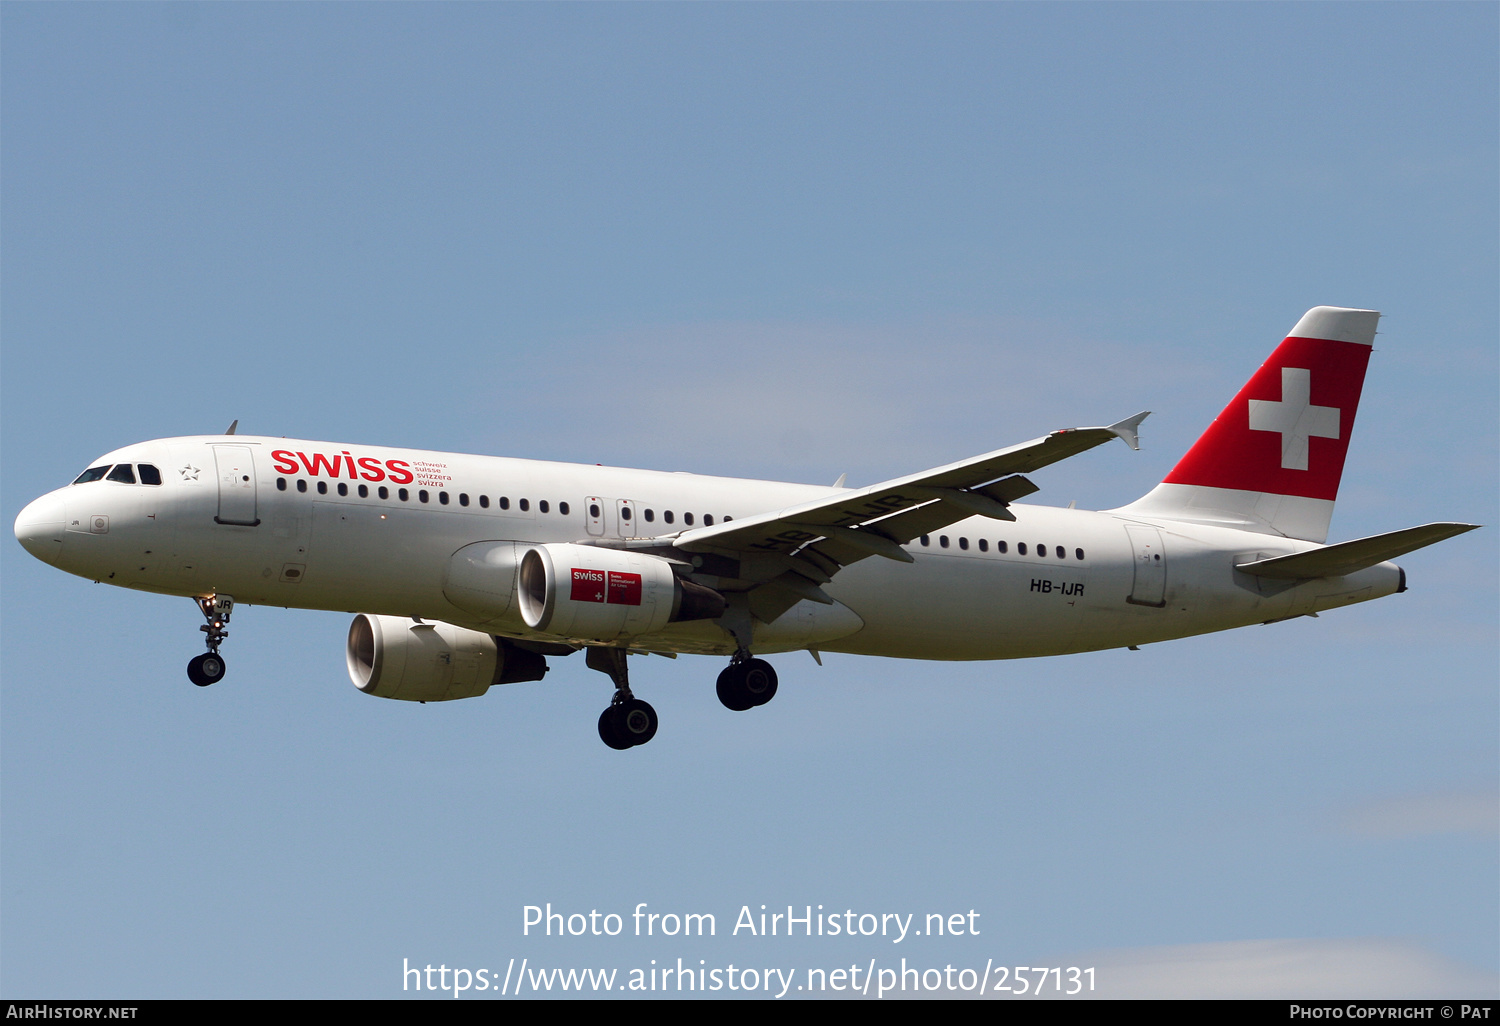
(1272, 461)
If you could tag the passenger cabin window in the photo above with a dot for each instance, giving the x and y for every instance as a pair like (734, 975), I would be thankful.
(322, 487)
(443, 498)
(92, 474)
(543, 506)
(343, 488)
(463, 498)
(562, 507)
(301, 485)
(667, 516)
(650, 515)
(687, 518)
(1001, 547)
(708, 520)
(504, 502)
(281, 484)
(123, 474)
(524, 504)
(484, 502)
(364, 491)
(149, 474)
(383, 492)
(984, 545)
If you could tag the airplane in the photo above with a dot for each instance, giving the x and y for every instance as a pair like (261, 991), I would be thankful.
(473, 571)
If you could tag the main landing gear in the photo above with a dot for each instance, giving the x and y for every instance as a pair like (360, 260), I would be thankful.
(209, 667)
(628, 721)
(746, 682)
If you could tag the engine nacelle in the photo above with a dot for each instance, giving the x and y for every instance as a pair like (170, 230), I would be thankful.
(481, 580)
(599, 594)
(397, 657)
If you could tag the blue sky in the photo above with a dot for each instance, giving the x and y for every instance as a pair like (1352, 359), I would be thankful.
(781, 241)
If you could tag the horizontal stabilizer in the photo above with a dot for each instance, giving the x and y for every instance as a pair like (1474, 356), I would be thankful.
(1351, 556)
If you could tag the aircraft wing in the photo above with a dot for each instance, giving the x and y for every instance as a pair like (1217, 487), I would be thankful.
(814, 539)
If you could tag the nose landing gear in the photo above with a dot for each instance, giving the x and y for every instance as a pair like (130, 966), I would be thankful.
(208, 668)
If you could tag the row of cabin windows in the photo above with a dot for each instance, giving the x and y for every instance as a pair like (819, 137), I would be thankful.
(1060, 551)
(123, 473)
(423, 495)
(669, 517)
(503, 502)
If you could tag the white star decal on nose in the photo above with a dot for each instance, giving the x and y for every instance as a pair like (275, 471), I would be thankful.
(1294, 417)
(189, 473)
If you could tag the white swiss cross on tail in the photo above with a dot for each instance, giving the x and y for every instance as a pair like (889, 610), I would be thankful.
(1294, 417)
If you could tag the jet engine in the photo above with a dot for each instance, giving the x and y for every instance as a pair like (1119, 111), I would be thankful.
(419, 661)
(599, 594)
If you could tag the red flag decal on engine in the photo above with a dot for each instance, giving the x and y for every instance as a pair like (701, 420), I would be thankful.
(588, 586)
(624, 589)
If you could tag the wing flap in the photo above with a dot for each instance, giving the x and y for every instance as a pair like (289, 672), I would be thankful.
(1352, 556)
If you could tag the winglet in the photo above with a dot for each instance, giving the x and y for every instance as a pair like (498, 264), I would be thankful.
(1127, 429)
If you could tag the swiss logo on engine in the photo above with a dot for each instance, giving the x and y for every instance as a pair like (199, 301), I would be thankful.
(624, 589)
(588, 586)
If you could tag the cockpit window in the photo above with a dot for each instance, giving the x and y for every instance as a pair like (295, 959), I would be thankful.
(122, 474)
(149, 474)
(92, 474)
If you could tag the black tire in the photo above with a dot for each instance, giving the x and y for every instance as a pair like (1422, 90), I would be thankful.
(636, 721)
(609, 730)
(731, 688)
(759, 680)
(206, 669)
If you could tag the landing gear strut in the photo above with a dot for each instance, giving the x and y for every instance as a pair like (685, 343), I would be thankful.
(628, 721)
(209, 667)
(746, 682)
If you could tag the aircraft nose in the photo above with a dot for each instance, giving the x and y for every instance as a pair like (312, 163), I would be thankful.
(40, 526)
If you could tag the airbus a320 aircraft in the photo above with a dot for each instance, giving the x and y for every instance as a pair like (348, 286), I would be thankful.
(474, 569)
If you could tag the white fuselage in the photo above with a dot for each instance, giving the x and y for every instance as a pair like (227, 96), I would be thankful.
(264, 521)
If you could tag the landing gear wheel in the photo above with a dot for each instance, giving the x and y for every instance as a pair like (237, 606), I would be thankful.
(759, 680)
(206, 669)
(627, 724)
(637, 721)
(746, 684)
(610, 729)
(731, 688)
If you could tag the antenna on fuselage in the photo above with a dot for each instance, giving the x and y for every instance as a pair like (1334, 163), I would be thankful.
(232, 427)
